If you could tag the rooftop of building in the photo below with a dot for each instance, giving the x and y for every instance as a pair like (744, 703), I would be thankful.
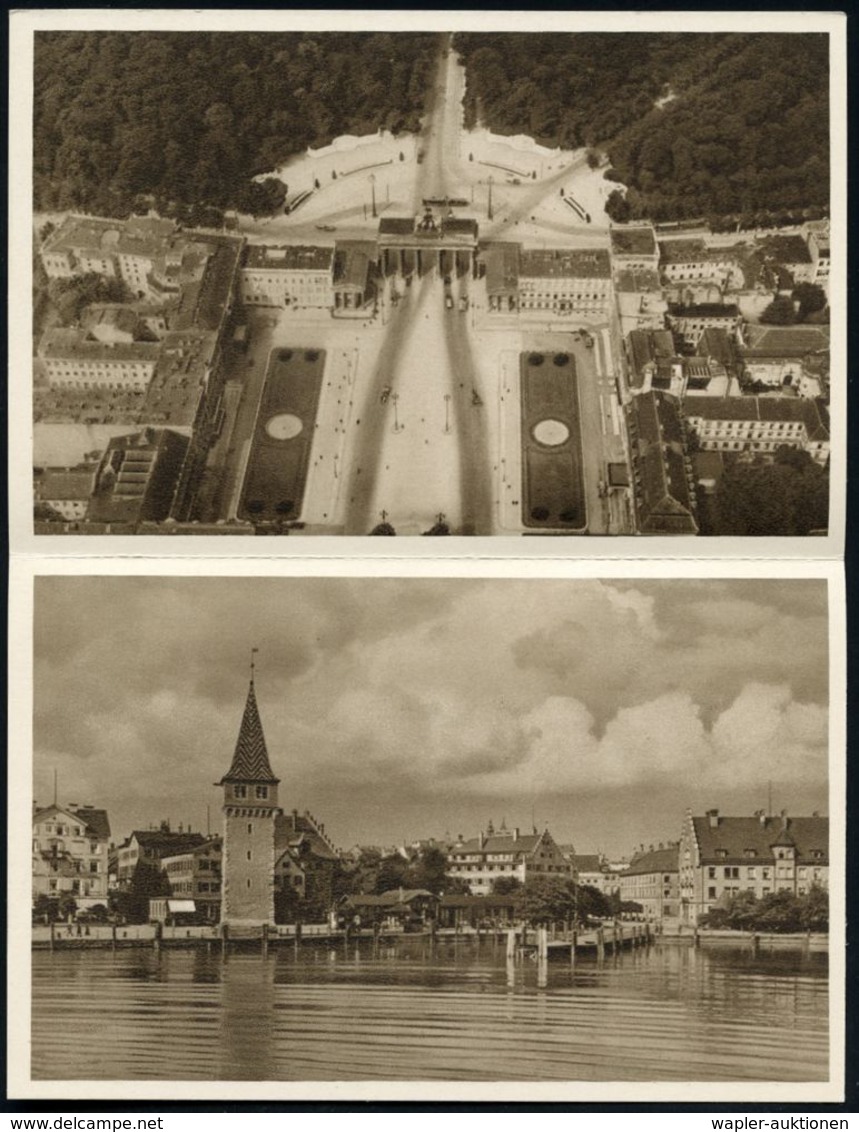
(139, 235)
(586, 862)
(250, 757)
(137, 477)
(812, 413)
(741, 839)
(665, 500)
(502, 267)
(646, 346)
(546, 263)
(637, 240)
(66, 484)
(704, 310)
(61, 343)
(163, 842)
(352, 260)
(510, 842)
(180, 377)
(390, 899)
(635, 280)
(654, 861)
(96, 820)
(289, 257)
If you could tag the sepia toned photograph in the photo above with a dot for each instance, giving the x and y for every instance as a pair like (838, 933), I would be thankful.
(554, 831)
(560, 282)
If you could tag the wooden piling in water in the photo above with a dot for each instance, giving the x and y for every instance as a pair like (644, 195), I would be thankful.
(543, 943)
(600, 945)
(264, 942)
(511, 943)
(113, 937)
(225, 935)
(573, 942)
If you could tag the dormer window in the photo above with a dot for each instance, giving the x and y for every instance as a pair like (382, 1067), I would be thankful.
(751, 852)
(722, 853)
(262, 792)
(240, 791)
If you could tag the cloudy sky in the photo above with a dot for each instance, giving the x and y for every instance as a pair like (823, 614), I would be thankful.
(403, 708)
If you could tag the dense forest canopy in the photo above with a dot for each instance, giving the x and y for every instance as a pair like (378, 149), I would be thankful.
(189, 117)
(742, 121)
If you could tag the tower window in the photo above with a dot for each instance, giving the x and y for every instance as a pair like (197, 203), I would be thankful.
(249, 882)
(250, 827)
(240, 791)
(262, 792)
(249, 854)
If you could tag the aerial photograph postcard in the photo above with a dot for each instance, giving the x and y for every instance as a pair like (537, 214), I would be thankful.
(567, 832)
(474, 282)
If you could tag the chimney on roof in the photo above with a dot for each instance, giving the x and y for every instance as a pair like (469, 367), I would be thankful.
(481, 839)
(661, 846)
(180, 827)
(515, 832)
(165, 826)
(713, 818)
(650, 847)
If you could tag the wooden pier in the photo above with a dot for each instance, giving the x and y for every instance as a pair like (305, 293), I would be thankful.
(608, 939)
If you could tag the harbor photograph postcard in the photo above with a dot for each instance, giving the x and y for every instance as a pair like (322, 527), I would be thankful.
(377, 834)
(350, 274)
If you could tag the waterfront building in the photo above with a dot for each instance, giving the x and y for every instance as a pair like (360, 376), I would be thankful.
(592, 869)
(484, 859)
(250, 813)
(722, 856)
(760, 425)
(305, 858)
(397, 908)
(149, 847)
(490, 911)
(70, 853)
(653, 881)
(196, 876)
(662, 473)
(289, 276)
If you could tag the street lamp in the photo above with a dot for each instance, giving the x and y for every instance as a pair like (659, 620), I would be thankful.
(373, 192)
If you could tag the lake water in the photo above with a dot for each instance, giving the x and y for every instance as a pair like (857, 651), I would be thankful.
(415, 1011)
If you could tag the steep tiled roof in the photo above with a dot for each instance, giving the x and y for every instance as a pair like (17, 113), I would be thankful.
(734, 839)
(587, 862)
(654, 861)
(96, 820)
(250, 760)
(160, 843)
(525, 843)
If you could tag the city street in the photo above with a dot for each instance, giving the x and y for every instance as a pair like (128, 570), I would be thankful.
(409, 428)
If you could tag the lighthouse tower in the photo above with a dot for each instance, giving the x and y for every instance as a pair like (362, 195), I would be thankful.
(250, 816)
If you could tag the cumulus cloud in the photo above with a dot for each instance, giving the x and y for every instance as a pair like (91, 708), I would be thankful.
(442, 695)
